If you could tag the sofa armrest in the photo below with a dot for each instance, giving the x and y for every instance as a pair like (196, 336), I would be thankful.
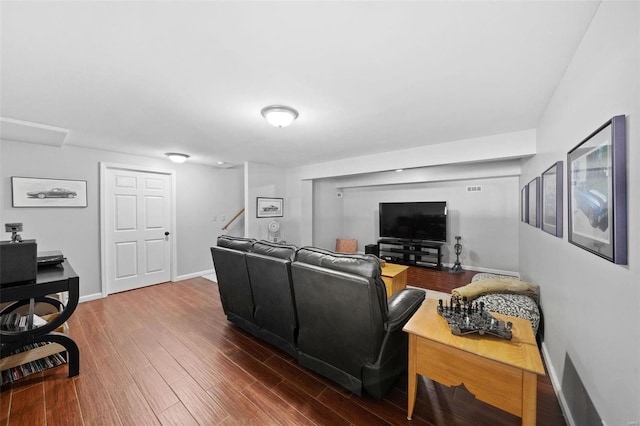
(402, 306)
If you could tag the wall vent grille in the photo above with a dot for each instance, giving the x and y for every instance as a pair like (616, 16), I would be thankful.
(476, 188)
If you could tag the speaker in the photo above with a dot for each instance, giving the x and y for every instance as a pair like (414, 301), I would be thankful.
(18, 262)
(371, 249)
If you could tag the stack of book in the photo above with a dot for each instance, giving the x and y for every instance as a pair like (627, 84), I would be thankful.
(17, 322)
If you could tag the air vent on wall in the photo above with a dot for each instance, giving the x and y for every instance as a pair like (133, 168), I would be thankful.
(476, 188)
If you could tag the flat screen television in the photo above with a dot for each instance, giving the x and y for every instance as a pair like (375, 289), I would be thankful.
(415, 221)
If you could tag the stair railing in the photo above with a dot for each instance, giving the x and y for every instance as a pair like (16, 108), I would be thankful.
(224, 228)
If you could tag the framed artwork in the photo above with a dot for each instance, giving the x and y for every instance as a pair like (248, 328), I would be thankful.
(533, 208)
(43, 192)
(597, 201)
(552, 199)
(524, 204)
(269, 207)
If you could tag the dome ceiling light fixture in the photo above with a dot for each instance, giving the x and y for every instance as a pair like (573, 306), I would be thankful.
(177, 157)
(279, 115)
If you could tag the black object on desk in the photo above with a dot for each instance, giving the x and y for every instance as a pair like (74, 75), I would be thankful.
(49, 280)
(17, 262)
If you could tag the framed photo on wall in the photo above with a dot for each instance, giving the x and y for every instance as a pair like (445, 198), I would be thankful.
(43, 192)
(269, 207)
(597, 199)
(524, 204)
(552, 199)
(533, 215)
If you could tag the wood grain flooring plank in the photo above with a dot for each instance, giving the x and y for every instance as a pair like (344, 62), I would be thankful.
(95, 403)
(65, 415)
(274, 406)
(177, 415)
(132, 407)
(116, 375)
(154, 389)
(132, 357)
(297, 376)
(308, 405)
(266, 376)
(27, 406)
(166, 365)
(349, 409)
(59, 389)
(197, 401)
(5, 403)
(239, 408)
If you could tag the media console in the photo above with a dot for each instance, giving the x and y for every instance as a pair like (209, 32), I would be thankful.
(427, 254)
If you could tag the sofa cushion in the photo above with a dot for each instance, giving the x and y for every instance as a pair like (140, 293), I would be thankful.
(281, 251)
(236, 243)
(365, 265)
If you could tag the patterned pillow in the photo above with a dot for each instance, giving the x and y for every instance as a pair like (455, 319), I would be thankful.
(515, 305)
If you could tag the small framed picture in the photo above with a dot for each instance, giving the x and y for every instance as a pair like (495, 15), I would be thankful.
(552, 199)
(269, 207)
(597, 199)
(43, 192)
(524, 204)
(533, 208)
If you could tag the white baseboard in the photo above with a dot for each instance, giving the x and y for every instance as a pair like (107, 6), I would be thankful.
(90, 297)
(194, 275)
(557, 387)
(487, 270)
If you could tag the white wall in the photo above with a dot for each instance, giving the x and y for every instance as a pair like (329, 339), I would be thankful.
(487, 221)
(496, 150)
(591, 306)
(202, 192)
(328, 213)
(262, 180)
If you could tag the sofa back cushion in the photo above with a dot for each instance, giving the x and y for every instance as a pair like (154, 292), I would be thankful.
(281, 251)
(236, 243)
(366, 265)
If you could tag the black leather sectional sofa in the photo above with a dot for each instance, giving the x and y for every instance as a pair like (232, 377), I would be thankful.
(328, 310)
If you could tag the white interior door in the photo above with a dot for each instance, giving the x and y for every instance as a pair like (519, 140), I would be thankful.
(137, 228)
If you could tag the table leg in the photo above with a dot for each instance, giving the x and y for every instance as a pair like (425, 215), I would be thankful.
(73, 353)
(413, 375)
(529, 398)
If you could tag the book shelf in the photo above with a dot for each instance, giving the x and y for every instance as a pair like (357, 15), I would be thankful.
(47, 342)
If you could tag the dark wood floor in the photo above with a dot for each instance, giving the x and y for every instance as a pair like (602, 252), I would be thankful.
(166, 354)
(432, 279)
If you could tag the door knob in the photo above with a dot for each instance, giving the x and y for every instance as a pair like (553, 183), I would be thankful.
(166, 233)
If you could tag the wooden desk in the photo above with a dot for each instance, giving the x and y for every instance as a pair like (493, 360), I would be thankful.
(502, 373)
(394, 277)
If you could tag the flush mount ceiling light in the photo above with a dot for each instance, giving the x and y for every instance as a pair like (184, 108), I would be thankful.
(279, 115)
(176, 157)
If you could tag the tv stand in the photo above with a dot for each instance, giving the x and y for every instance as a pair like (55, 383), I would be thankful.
(413, 253)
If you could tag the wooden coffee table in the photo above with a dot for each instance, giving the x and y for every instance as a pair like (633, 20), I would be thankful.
(502, 373)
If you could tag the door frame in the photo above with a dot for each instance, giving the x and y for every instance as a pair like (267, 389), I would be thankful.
(104, 167)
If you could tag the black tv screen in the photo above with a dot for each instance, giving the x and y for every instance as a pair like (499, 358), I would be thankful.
(421, 221)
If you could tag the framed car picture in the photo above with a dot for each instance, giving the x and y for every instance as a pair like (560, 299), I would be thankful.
(269, 207)
(43, 192)
(597, 199)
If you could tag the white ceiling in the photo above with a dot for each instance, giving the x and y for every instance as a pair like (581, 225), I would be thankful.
(366, 77)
